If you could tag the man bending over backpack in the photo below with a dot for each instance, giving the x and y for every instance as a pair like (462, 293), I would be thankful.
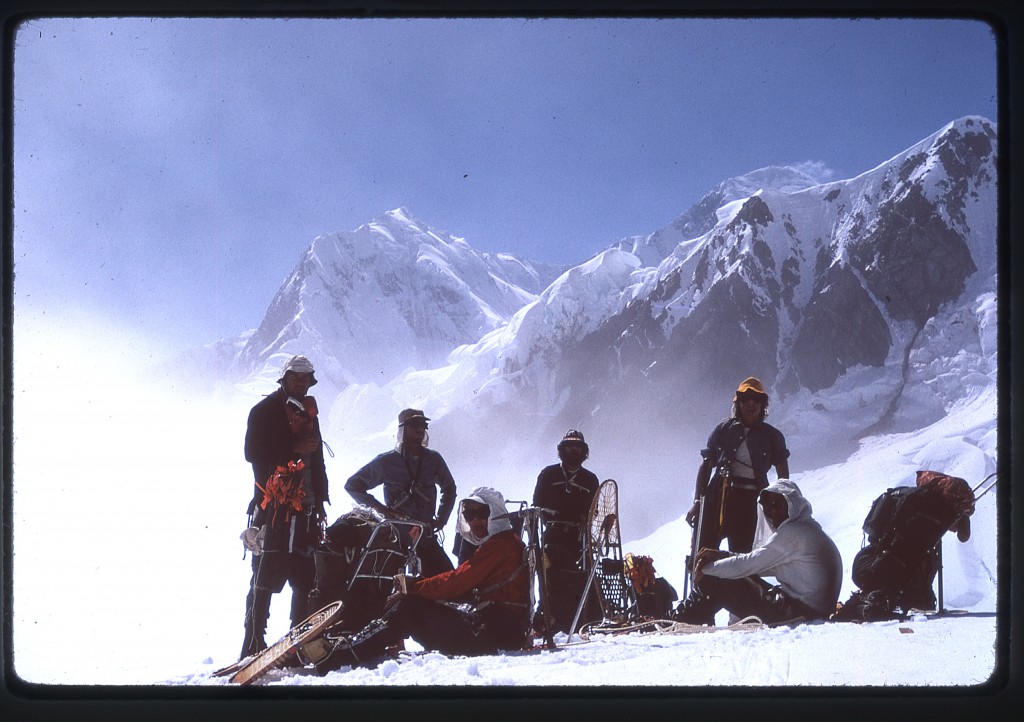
(790, 546)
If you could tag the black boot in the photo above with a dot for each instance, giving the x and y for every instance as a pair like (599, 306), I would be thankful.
(257, 611)
(335, 652)
(695, 609)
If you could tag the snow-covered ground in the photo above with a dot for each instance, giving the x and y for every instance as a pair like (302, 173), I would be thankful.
(765, 657)
(128, 499)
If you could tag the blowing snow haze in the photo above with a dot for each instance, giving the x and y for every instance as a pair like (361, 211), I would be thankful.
(866, 305)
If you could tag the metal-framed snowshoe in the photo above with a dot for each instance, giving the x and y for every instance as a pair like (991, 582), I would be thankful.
(608, 565)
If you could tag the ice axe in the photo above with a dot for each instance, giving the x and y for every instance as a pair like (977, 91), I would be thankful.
(535, 551)
(691, 560)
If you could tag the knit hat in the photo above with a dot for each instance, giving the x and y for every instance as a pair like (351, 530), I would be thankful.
(298, 365)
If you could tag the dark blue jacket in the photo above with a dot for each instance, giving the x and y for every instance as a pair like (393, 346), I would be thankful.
(766, 444)
(268, 444)
(410, 486)
(570, 499)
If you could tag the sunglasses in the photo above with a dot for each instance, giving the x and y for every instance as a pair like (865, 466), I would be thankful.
(471, 514)
(772, 502)
(750, 396)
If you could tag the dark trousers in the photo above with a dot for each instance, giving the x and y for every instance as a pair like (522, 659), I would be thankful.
(433, 559)
(906, 585)
(739, 524)
(749, 596)
(270, 571)
(565, 589)
(433, 625)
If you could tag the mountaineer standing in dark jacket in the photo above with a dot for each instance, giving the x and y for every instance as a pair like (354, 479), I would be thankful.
(411, 475)
(739, 453)
(567, 489)
(284, 446)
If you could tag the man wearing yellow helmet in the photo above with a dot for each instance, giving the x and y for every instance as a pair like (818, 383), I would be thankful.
(739, 454)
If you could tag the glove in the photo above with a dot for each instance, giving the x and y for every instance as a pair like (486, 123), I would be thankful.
(252, 539)
(400, 590)
(691, 515)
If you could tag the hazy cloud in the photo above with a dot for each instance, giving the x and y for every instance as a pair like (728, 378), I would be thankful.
(816, 169)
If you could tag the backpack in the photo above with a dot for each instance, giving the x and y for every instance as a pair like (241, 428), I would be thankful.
(654, 595)
(903, 527)
(937, 503)
(881, 517)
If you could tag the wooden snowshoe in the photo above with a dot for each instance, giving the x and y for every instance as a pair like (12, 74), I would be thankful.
(252, 668)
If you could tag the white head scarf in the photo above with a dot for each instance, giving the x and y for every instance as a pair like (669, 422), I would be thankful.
(798, 506)
(497, 522)
(398, 438)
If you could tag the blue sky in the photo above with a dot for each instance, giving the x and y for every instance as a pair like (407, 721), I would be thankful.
(169, 172)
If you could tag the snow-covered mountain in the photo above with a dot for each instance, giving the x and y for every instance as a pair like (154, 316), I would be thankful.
(197, 507)
(905, 373)
(869, 302)
(804, 288)
(867, 305)
(391, 295)
(652, 249)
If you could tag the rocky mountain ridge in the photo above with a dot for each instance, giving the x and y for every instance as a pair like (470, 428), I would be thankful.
(836, 295)
(860, 303)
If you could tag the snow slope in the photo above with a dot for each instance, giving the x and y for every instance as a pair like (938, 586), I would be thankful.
(132, 499)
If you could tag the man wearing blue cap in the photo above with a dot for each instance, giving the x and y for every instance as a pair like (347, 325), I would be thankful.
(411, 475)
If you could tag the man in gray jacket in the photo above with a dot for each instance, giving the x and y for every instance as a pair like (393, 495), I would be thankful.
(791, 547)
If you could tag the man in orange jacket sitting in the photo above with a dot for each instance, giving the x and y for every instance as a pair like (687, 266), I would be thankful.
(480, 607)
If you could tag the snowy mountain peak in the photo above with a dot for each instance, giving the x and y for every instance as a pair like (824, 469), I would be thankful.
(781, 178)
(402, 222)
(888, 247)
(391, 294)
(832, 294)
(400, 214)
(704, 214)
(839, 296)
